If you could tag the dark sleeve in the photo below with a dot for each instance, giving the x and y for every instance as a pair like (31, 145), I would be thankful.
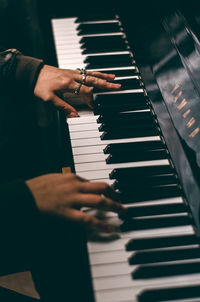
(18, 72)
(19, 225)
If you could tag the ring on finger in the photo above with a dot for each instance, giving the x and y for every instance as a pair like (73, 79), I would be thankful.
(77, 90)
(82, 71)
(84, 78)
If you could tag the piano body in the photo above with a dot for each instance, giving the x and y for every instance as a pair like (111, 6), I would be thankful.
(142, 140)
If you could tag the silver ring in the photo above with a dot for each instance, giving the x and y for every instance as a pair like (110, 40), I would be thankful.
(82, 71)
(78, 89)
(84, 78)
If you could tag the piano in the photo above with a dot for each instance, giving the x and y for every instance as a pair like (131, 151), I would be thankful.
(144, 141)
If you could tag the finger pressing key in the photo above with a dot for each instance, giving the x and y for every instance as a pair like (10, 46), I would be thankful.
(99, 188)
(100, 201)
(90, 222)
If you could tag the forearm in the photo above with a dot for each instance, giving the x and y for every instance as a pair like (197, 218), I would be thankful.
(18, 72)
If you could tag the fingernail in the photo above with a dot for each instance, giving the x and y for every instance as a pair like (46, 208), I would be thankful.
(123, 210)
(73, 114)
(118, 85)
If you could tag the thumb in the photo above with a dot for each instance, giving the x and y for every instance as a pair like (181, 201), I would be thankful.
(60, 104)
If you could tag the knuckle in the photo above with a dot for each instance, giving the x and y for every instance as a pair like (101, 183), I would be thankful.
(65, 81)
(101, 201)
(87, 220)
(48, 97)
(88, 90)
(105, 187)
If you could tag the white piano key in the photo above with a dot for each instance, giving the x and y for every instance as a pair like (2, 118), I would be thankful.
(100, 21)
(109, 257)
(181, 230)
(82, 120)
(83, 127)
(103, 166)
(88, 150)
(110, 269)
(98, 141)
(67, 61)
(88, 158)
(71, 66)
(116, 295)
(69, 52)
(84, 134)
(94, 174)
(171, 200)
(121, 91)
(113, 245)
(105, 34)
(115, 68)
(107, 180)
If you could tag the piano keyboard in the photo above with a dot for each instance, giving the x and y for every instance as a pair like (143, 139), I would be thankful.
(153, 255)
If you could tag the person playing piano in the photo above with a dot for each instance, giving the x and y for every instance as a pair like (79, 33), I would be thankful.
(53, 200)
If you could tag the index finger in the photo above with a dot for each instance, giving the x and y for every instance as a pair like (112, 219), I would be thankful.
(99, 188)
(101, 75)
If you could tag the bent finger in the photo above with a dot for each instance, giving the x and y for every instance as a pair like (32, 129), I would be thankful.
(100, 188)
(101, 202)
(60, 104)
(98, 74)
(100, 83)
(90, 222)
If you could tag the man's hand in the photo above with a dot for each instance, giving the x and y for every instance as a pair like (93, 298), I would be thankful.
(53, 82)
(65, 194)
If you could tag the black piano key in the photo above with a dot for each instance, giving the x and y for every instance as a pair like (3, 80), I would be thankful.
(95, 28)
(170, 294)
(121, 98)
(155, 222)
(161, 242)
(122, 116)
(95, 16)
(122, 173)
(131, 83)
(126, 124)
(137, 146)
(118, 157)
(113, 127)
(145, 181)
(108, 61)
(99, 39)
(102, 49)
(152, 210)
(121, 72)
(106, 43)
(157, 271)
(144, 257)
(105, 109)
(142, 193)
(128, 133)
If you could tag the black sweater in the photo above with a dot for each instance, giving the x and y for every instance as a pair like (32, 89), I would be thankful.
(19, 215)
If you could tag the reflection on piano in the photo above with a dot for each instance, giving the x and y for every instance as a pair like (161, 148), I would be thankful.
(142, 140)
